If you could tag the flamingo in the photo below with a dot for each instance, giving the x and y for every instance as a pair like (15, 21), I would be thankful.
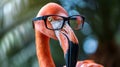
(46, 26)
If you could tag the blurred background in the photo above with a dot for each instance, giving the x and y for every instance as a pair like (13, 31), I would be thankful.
(98, 40)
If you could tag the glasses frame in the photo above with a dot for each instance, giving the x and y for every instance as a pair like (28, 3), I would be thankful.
(44, 18)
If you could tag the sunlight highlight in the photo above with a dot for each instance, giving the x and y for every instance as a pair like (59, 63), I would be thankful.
(90, 45)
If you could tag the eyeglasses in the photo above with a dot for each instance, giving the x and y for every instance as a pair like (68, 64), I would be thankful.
(74, 21)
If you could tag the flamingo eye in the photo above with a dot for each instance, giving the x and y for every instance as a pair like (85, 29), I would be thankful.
(50, 19)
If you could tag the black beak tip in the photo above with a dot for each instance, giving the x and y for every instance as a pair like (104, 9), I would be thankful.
(72, 54)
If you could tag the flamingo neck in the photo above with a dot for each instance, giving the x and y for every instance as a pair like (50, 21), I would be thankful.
(43, 50)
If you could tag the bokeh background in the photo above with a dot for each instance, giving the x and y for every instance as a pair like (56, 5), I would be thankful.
(99, 39)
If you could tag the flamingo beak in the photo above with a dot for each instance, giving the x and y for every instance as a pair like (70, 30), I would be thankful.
(69, 44)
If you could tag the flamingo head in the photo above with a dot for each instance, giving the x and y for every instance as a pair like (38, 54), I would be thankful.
(52, 21)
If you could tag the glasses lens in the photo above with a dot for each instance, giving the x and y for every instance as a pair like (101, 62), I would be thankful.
(54, 22)
(76, 22)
